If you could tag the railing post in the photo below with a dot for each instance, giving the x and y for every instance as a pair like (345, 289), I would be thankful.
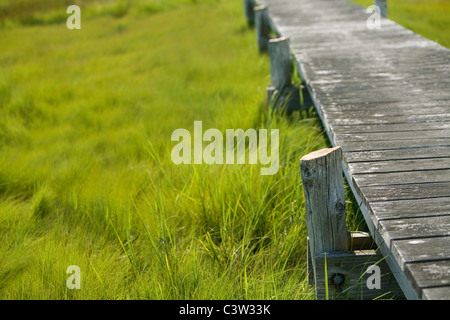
(280, 62)
(249, 9)
(382, 4)
(338, 262)
(282, 92)
(262, 28)
(323, 184)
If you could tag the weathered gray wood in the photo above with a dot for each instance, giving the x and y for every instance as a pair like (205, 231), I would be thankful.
(410, 208)
(390, 127)
(394, 144)
(407, 177)
(406, 191)
(398, 166)
(431, 274)
(282, 94)
(439, 293)
(262, 28)
(358, 241)
(430, 153)
(421, 250)
(280, 62)
(322, 178)
(382, 4)
(351, 270)
(414, 228)
(394, 83)
(388, 136)
(249, 9)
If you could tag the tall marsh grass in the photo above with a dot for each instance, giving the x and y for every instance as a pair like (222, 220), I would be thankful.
(86, 176)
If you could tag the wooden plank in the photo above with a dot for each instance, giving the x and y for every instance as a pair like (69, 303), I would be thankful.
(394, 144)
(410, 119)
(388, 136)
(430, 153)
(408, 177)
(400, 166)
(421, 250)
(411, 208)
(440, 293)
(414, 228)
(383, 110)
(406, 191)
(351, 268)
(387, 127)
(431, 274)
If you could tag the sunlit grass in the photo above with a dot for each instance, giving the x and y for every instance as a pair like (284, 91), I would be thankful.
(85, 171)
(430, 18)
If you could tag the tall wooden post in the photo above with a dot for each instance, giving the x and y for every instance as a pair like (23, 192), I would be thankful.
(323, 185)
(382, 4)
(262, 28)
(280, 62)
(282, 93)
(339, 260)
(249, 9)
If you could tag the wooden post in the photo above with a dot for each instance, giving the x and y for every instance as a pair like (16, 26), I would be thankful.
(338, 262)
(280, 62)
(282, 93)
(382, 4)
(323, 185)
(249, 9)
(262, 28)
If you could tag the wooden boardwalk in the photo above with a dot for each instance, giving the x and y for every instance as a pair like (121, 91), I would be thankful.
(384, 97)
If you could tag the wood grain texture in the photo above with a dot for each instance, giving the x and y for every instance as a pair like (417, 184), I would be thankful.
(323, 184)
(382, 95)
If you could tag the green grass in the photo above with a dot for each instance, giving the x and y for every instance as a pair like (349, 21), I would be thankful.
(86, 176)
(430, 18)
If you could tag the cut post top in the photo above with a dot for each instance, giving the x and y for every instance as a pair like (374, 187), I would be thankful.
(261, 8)
(280, 39)
(319, 154)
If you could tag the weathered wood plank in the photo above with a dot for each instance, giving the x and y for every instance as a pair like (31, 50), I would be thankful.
(400, 166)
(409, 119)
(421, 250)
(431, 274)
(381, 105)
(440, 293)
(408, 177)
(437, 226)
(394, 144)
(387, 127)
(387, 136)
(402, 209)
(406, 191)
(351, 270)
(384, 110)
(430, 153)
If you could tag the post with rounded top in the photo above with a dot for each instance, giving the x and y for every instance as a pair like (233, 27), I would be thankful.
(249, 9)
(382, 4)
(282, 93)
(280, 62)
(262, 28)
(323, 185)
